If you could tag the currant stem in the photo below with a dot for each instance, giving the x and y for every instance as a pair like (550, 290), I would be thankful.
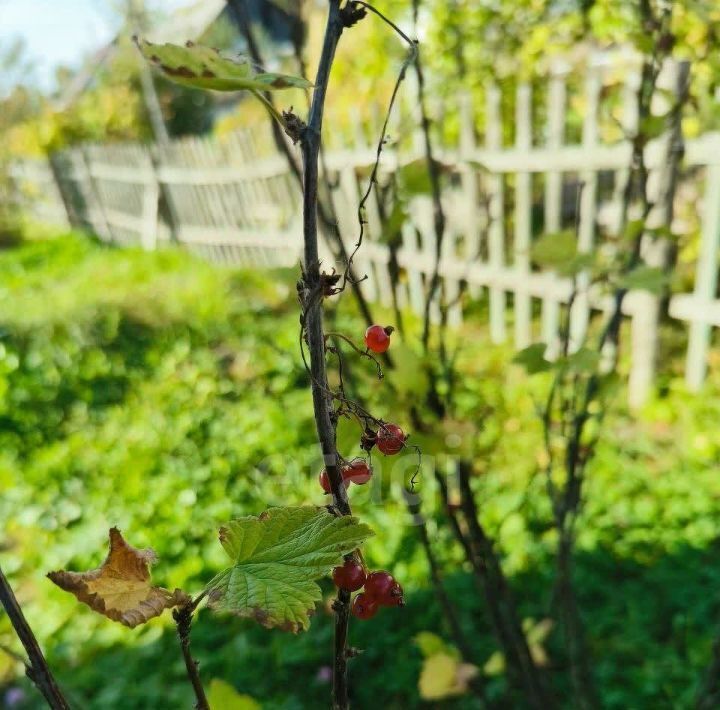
(311, 296)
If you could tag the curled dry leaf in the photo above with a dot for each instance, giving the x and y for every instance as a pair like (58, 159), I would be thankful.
(120, 588)
(205, 68)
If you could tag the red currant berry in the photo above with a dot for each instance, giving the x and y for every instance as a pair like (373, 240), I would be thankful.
(350, 577)
(364, 607)
(390, 439)
(378, 585)
(377, 338)
(357, 472)
(325, 481)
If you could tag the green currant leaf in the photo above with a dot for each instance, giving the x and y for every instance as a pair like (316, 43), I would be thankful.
(645, 278)
(222, 696)
(558, 251)
(532, 358)
(276, 559)
(205, 68)
(431, 644)
(583, 361)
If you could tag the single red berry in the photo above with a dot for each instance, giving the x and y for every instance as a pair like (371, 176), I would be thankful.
(377, 338)
(390, 439)
(357, 472)
(325, 481)
(364, 607)
(350, 577)
(378, 585)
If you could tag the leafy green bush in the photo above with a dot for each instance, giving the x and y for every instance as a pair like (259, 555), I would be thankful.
(164, 395)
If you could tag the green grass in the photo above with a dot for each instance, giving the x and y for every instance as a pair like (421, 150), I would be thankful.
(164, 395)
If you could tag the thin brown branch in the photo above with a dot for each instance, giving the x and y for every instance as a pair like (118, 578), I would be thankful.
(501, 606)
(37, 669)
(413, 501)
(312, 315)
(183, 621)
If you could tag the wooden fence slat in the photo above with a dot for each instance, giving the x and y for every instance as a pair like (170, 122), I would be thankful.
(470, 184)
(556, 98)
(706, 276)
(580, 315)
(496, 199)
(523, 214)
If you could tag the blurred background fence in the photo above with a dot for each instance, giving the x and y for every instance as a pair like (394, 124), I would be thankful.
(234, 200)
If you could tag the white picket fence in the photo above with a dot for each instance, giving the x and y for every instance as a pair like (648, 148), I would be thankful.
(234, 200)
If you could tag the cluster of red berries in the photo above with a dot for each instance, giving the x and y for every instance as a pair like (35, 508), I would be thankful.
(380, 588)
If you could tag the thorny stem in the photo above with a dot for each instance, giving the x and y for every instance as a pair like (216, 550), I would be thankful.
(183, 620)
(37, 669)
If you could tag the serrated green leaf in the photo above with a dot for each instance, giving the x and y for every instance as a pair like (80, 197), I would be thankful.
(555, 249)
(634, 229)
(532, 358)
(276, 559)
(583, 360)
(222, 696)
(414, 178)
(653, 126)
(558, 251)
(204, 68)
(645, 278)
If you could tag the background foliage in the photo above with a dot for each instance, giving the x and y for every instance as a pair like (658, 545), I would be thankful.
(161, 394)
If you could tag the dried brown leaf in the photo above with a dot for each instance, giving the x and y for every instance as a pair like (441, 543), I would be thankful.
(120, 588)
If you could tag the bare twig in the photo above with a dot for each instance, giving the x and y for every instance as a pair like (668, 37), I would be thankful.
(501, 606)
(37, 669)
(449, 611)
(183, 620)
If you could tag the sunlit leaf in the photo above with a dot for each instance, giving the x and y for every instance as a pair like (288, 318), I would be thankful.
(431, 644)
(205, 68)
(222, 696)
(495, 665)
(414, 178)
(120, 588)
(584, 360)
(532, 358)
(444, 676)
(645, 278)
(276, 559)
(558, 251)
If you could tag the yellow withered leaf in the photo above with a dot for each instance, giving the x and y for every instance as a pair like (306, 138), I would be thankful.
(120, 588)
